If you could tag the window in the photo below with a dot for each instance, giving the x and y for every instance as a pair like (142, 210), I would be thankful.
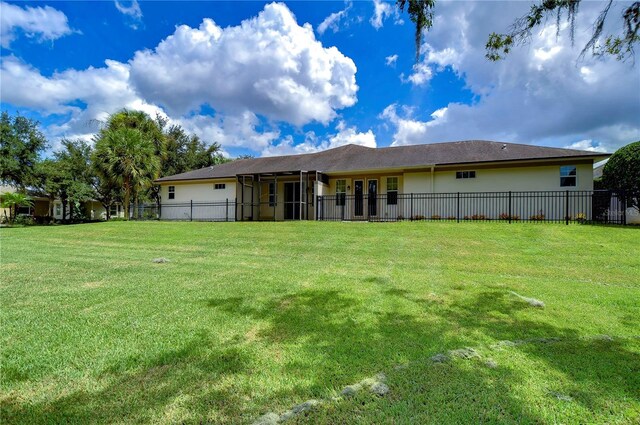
(568, 175)
(272, 194)
(465, 174)
(58, 209)
(172, 192)
(392, 191)
(219, 186)
(341, 192)
(113, 210)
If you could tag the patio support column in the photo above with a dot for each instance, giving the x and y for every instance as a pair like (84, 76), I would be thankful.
(275, 196)
(259, 195)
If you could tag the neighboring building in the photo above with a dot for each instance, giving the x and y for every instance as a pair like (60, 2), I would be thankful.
(287, 187)
(92, 209)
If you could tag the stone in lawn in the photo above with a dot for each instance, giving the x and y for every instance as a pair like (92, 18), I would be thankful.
(303, 407)
(161, 260)
(464, 353)
(380, 389)
(267, 419)
(491, 364)
(562, 397)
(351, 390)
(531, 301)
(605, 338)
(439, 358)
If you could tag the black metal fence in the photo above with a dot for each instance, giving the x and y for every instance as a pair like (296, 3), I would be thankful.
(546, 206)
(187, 211)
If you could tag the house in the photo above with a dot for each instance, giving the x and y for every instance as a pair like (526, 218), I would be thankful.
(42, 206)
(357, 182)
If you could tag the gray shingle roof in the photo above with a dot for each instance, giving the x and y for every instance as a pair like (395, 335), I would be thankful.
(353, 157)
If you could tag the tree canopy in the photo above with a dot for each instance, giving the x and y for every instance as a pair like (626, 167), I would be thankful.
(21, 144)
(619, 44)
(622, 172)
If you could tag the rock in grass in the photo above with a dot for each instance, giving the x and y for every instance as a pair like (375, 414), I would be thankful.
(605, 338)
(464, 353)
(439, 358)
(161, 260)
(303, 407)
(531, 301)
(562, 397)
(380, 389)
(491, 364)
(267, 419)
(351, 390)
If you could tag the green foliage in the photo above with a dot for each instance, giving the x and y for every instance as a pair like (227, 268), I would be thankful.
(15, 200)
(622, 172)
(619, 45)
(187, 152)
(20, 146)
(126, 155)
(421, 14)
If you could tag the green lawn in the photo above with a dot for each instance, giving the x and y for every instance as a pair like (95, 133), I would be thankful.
(251, 318)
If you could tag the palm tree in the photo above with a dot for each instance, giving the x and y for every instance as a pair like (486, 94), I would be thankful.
(128, 157)
(15, 200)
(150, 129)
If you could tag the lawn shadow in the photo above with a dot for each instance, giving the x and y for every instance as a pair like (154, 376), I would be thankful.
(140, 390)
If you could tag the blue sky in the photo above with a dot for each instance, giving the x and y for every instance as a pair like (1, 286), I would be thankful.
(279, 78)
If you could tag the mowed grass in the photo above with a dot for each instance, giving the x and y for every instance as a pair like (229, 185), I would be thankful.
(250, 318)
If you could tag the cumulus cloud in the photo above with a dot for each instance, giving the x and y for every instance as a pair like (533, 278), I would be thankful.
(131, 8)
(539, 94)
(345, 135)
(42, 23)
(383, 10)
(587, 145)
(264, 71)
(391, 60)
(269, 65)
(333, 20)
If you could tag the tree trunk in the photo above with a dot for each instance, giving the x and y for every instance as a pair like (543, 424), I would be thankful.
(107, 211)
(136, 210)
(64, 210)
(127, 198)
(51, 206)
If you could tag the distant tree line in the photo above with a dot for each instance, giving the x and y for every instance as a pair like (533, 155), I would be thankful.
(129, 152)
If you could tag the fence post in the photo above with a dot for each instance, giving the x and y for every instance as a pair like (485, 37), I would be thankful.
(411, 207)
(226, 213)
(458, 208)
(191, 211)
(317, 208)
(566, 207)
(509, 207)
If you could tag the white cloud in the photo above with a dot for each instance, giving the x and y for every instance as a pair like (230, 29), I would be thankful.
(268, 64)
(383, 10)
(266, 70)
(345, 135)
(333, 21)
(421, 74)
(132, 9)
(43, 23)
(587, 145)
(539, 94)
(391, 60)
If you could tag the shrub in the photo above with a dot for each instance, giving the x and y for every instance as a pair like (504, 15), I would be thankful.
(400, 217)
(24, 220)
(418, 217)
(505, 216)
(478, 217)
(537, 217)
(581, 217)
(435, 217)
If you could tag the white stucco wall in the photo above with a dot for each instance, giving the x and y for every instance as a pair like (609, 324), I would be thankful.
(539, 178)
(208, 203)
